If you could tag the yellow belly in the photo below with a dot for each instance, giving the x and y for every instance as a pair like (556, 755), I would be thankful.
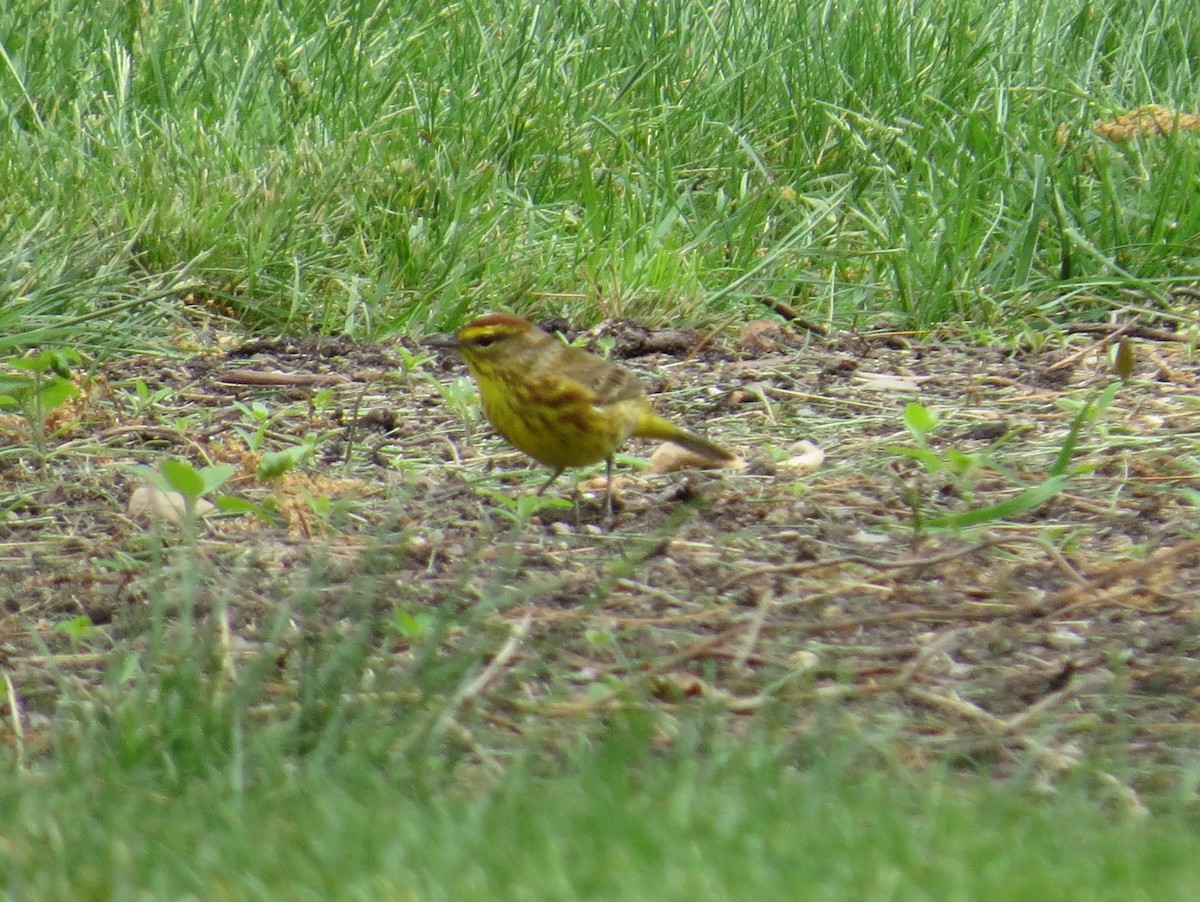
(561, 431)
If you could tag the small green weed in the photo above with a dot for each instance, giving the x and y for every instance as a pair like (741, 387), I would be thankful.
(45, 384)
(519, 507)
(178, 479)
(921, 422)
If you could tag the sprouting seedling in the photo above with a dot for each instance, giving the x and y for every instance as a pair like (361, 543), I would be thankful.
(144, 399)
(44, 384)
(181, 483)
(920, 422)
(521, 508)
(260, 416)
(77, 629)
(272, 466)
(193, 484)
(412, 625)
(275, 464)
(411, 361)
(1056, 479)
(461, 396)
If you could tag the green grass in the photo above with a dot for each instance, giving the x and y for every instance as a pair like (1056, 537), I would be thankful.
(321, 760)
(356, 167)
(609, 820)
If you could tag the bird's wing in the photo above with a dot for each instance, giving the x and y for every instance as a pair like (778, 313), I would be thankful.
(608, 382)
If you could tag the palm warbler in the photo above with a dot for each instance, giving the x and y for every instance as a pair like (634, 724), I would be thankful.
(562, 406)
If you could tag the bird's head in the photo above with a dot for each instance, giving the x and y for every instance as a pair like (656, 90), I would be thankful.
(495, 337)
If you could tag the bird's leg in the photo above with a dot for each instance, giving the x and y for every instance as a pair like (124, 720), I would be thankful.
(553, 477)
(608, 465)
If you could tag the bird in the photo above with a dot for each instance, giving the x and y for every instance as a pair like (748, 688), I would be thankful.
(561, 405)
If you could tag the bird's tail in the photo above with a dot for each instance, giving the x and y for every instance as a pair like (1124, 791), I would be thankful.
(654, 426)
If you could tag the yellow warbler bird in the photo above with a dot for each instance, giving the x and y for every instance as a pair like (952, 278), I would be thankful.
(561, 405)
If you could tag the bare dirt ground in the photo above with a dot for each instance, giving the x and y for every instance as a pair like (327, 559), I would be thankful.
(1053, 635)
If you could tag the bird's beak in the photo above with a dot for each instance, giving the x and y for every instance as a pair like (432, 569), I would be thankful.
(443, 341)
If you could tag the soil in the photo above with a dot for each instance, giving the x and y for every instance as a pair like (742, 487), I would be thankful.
(877, 586)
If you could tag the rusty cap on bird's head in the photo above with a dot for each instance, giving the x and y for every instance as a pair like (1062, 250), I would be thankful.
(499, 321)
(495, 324)
(489, 326)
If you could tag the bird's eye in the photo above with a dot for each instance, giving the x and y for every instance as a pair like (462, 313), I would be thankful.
(484, 340)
